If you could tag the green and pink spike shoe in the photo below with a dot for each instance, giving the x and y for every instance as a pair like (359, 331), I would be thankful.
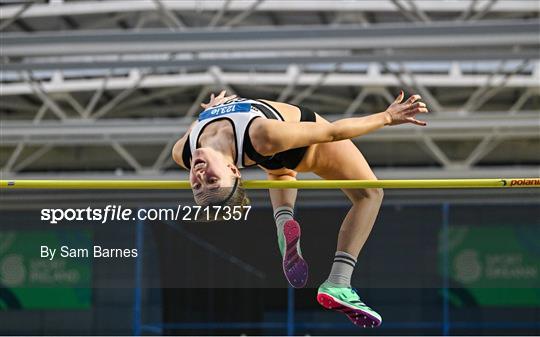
(346, 300)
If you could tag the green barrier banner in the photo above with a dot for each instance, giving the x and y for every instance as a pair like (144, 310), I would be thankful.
(30, 281)
(494, 266)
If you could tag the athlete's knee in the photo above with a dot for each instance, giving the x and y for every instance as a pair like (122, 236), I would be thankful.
(371, 194)
(285, 174)
(378, 193)
(375, 194)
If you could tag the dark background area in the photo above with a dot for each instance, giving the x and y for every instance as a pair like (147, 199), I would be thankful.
(226, 278)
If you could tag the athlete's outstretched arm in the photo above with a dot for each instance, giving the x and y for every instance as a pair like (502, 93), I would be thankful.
(217, 100)
(276, 137)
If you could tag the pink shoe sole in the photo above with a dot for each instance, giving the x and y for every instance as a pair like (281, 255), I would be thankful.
(294, 266)
(357, 316)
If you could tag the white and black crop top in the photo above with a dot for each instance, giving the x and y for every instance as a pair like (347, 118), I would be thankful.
(241, 113)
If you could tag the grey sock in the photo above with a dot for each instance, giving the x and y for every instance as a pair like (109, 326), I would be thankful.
(342, 269)
(281, 215)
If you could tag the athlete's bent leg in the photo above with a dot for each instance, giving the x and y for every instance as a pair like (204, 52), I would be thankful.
(336, 293)
(295, 267)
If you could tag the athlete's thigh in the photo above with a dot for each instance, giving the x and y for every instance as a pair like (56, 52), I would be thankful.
(342, 160)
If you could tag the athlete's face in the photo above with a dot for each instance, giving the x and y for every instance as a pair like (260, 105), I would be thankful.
(210, 172)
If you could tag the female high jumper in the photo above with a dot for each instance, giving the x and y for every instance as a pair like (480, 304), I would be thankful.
(283, 139)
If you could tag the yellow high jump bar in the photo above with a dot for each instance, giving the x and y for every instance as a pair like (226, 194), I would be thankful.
(265, 184)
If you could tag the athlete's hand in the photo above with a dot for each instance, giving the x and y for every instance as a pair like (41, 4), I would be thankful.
(400, 113)
(217, 100)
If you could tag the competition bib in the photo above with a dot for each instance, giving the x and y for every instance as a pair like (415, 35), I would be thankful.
(224, 110)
